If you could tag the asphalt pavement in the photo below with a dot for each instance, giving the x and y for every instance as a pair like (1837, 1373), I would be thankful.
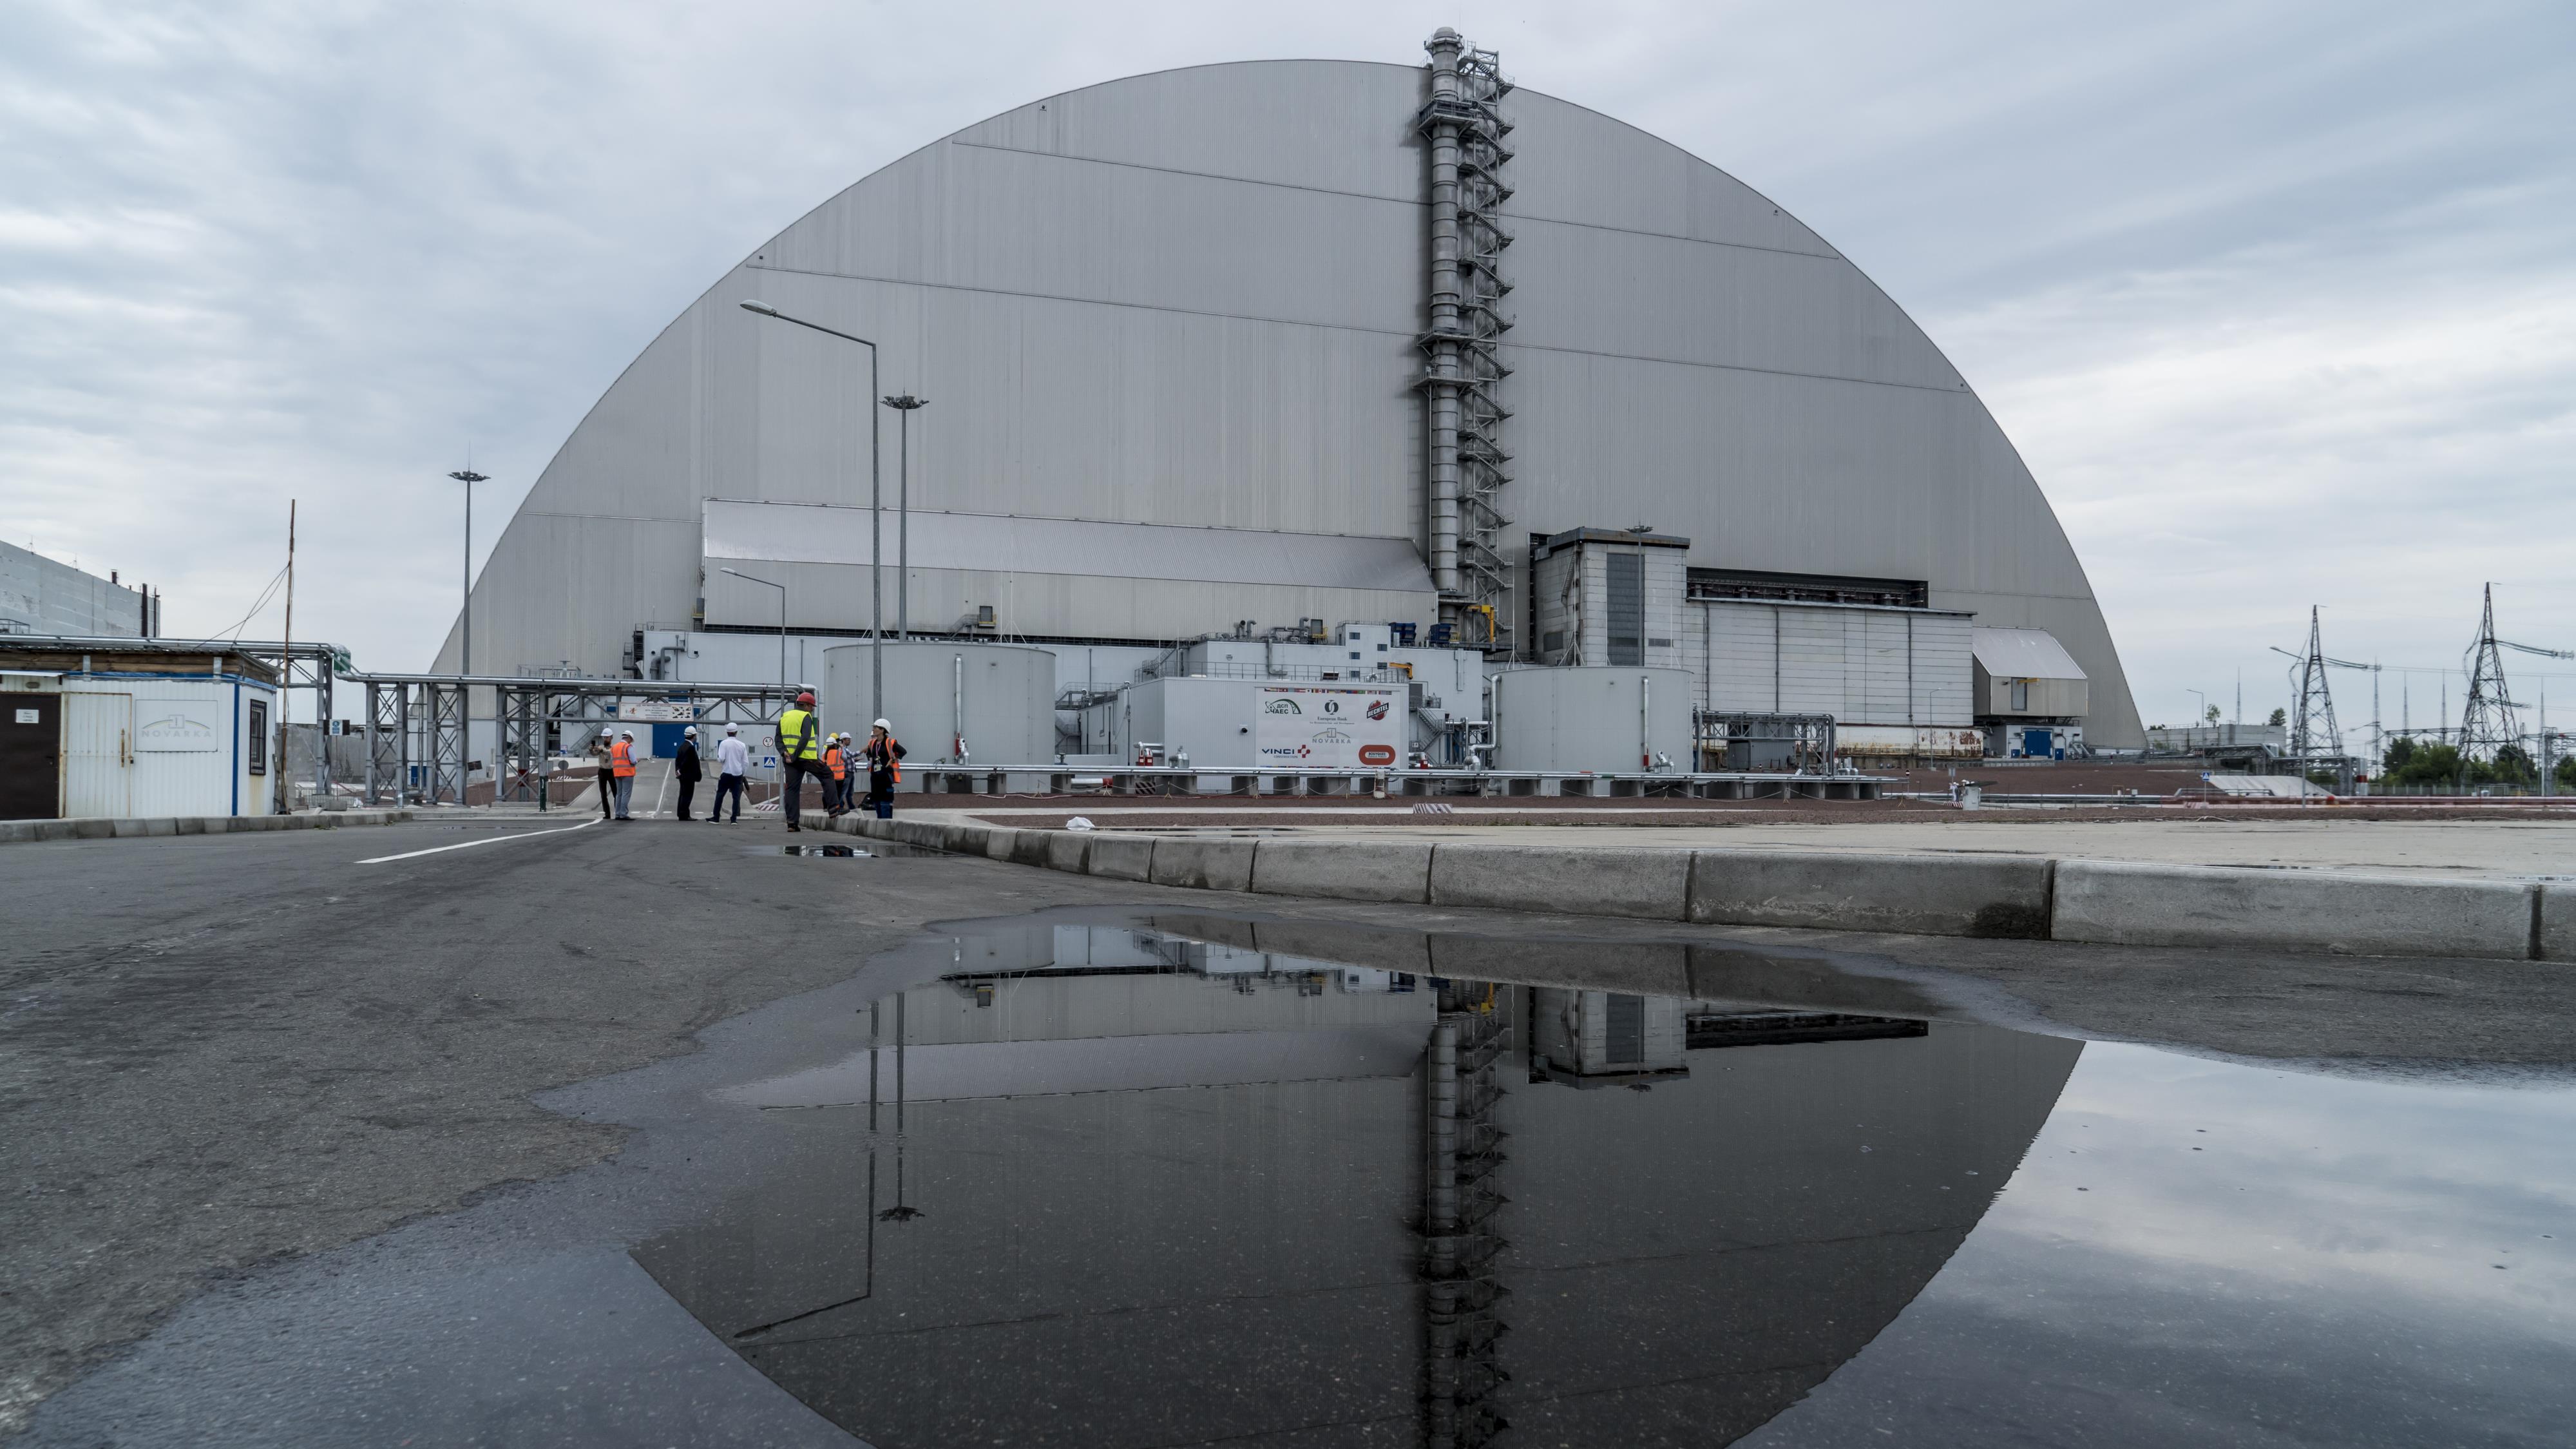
(233, 1065)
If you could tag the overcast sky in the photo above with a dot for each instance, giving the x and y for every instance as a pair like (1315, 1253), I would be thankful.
(2278, 301)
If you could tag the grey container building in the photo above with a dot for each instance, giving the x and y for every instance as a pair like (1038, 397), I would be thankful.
(1193, 359)
(1593, 718)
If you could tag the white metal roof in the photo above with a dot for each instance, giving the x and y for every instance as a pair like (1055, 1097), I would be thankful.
(993, 543)
(2024, 654)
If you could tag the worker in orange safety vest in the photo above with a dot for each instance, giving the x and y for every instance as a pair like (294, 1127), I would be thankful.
(836, 758)
(621, 764)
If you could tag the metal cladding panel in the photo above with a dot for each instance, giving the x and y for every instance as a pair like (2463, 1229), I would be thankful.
(1591, 718)
(1577, 165)
(1882, 655)
(1743, 658)
(1008, 704)
(1315, 124)
(1944, 693)
(1794, 474)
(1044, 406)
(40, 596)
(837, 596)
(1873, 666)
(1596, 289)
(189, 744)
(98, 737)
(964, 216)
(991, 542)
(2024, 654)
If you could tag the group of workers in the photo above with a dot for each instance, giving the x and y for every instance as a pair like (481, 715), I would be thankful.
(804, 749)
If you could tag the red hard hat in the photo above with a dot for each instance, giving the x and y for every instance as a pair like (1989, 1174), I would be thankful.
(805, 698)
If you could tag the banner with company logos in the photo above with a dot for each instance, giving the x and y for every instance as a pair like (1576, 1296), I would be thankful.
(1330, 727)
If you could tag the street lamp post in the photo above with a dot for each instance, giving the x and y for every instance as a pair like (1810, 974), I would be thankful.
(465, 619)
(905, 406)
(876, 515)
(782, 616)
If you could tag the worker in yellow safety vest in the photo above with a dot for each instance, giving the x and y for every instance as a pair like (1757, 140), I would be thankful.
(800, 754)
(621, 764)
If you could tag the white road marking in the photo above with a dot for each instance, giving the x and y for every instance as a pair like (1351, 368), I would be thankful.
(468, 844)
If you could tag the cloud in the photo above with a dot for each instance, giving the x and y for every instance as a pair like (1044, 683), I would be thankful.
(2274, 299)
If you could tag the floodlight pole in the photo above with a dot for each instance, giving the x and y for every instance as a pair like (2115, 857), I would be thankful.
(465, 618)
(905, 405)
(876, 516)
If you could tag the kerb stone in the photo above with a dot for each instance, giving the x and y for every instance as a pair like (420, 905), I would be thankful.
(1122, 857)
(1580, 880)
(1345, 870)
(1208, 865)
(1066, 850)
(1922, 895)
(2132, 903)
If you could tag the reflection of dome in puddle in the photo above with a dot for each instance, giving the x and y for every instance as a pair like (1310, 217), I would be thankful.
(1212, 1205)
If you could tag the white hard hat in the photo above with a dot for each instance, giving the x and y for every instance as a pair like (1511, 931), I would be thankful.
(884, 725)
(693, 729)
(733, 729)
(626, 734)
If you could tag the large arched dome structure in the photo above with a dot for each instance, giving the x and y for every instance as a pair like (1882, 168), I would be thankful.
(1172, 329)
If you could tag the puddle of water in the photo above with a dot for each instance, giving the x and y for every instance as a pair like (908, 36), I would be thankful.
(880, 851)
(1284, 1183)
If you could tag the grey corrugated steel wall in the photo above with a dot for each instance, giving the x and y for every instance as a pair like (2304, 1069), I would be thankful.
(1191, 297)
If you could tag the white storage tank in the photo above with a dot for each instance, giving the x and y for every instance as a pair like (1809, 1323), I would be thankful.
(1602, 719)
(1000, 698)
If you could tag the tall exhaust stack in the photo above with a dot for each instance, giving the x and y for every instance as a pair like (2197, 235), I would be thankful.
(1466, 466)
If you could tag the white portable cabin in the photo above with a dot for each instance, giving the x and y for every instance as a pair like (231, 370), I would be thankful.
(139, 733)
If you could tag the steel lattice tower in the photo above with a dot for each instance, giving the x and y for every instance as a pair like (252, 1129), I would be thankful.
(1464, 371)
(2487, 721)
(2313, 730)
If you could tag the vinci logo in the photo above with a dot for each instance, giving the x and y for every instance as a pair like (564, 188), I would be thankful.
(1377, 754)
(1376, 710)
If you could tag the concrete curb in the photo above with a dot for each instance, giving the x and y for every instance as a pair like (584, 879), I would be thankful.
(2024, 897)
(1208, 865)
(1647, 883)
(2132, 903)
(1396, 871)
(14, 832)
(1916, 895)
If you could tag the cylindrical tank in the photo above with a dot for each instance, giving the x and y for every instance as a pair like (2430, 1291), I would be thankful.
(1592, 718)
(999, 697)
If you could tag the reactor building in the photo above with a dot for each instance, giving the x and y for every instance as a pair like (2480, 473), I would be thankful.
(1314, 371)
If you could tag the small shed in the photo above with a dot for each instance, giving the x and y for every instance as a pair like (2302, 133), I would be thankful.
(2025, 674)
(145, 731)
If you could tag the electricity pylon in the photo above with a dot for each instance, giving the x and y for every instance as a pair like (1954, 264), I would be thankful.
(2313, 730)
(2487, 722)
